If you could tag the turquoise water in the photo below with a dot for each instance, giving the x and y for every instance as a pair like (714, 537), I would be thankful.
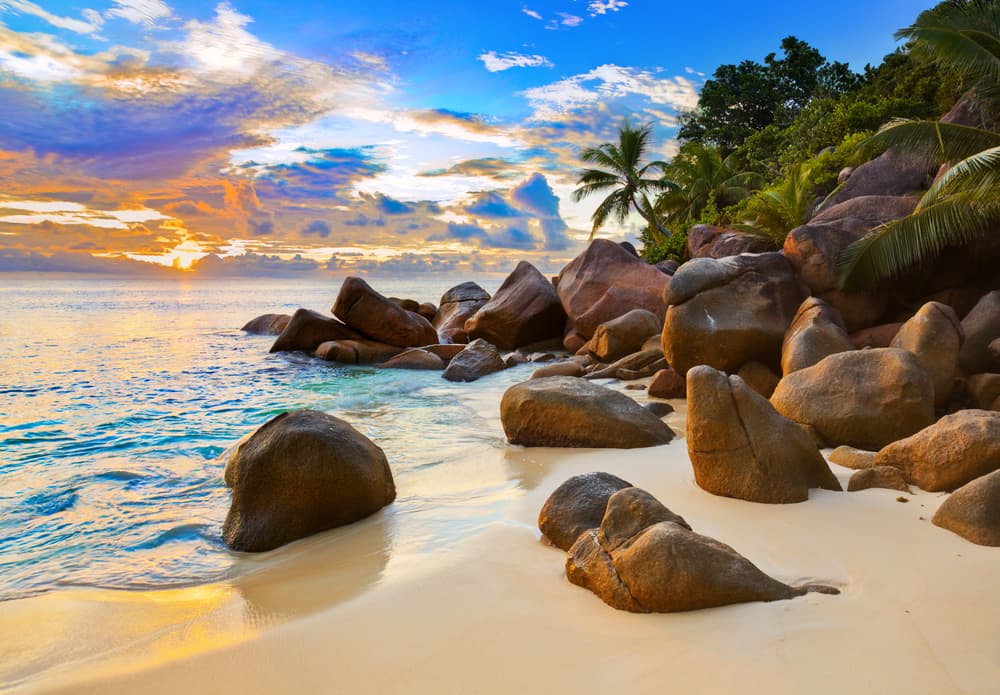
(117, 398)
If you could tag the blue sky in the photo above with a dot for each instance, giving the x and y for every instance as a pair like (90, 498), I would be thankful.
(344, 135)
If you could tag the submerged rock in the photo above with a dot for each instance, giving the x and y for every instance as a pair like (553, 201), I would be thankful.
(415, 358)
(267, 324)
(301, 473)
(563, 411)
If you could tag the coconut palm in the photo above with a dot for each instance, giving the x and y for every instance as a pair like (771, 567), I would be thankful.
(701, 175)
(786, 205)
(963, 205)
(628, 179)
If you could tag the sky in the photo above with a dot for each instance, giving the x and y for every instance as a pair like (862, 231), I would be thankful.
(401, 136)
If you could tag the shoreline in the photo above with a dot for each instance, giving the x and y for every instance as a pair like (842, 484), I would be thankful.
(494, 612)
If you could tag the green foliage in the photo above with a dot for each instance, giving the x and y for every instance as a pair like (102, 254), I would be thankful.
(658, 248)
(702, 178)
(624, 175)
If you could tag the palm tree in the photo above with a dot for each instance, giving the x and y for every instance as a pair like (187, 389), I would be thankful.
(964, 204)
(701, 176)
(789, 204)
(628, 179)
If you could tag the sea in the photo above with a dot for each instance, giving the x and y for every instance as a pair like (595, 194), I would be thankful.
(119, 399)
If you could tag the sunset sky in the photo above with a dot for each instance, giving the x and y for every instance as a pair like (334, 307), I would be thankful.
(398, 136)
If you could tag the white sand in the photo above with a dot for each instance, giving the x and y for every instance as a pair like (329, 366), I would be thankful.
(370, 609)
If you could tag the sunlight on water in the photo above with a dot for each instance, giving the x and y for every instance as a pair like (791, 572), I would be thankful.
(117, 399)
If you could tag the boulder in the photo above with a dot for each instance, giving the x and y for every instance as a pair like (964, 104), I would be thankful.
(961, 299)
(759, 377)
(864, 398)
(301, 473)
(574, 342)
(727, 312)
(562, 411)
(709, 241)
(984, 389)
(880, 336)
(524, 310)
(415, 358)
(667, 383)
(458, 305)
(634, 366)
(576, 506)
(973, 511)
(267, 324)
(446, 352)
(478, 359)
(663, 566)
(428, 311)
(849, 457)
(981, 327)
(668, 266)
(955, 450)
(606, 281)
(308, 329)
(741, 447)
(659, 408)
(934, 336)
(408, 304)
(993, 350)
(817, 331)
(879, 476)
(889, 174)
(568, 368)
(359, 351)
(624, 335)
(378, 318)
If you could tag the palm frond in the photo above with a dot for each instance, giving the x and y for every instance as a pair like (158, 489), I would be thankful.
(933, 140)
(980, 172)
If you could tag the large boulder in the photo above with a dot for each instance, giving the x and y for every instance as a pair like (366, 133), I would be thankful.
(562, 411)
(524, 310)
(415, 358)
(955, 450)
(301, 473)
(458, 305)
(308, 329)
(478, 359)
(643, 561)
(709, 241)
(934, 335)
(889, 174)
(727, 312)
(606, 281)
(864, 398)
(981, 327)
(267, 324)
(624, 335)
(576, 506)
(817, 331)
(667, 383)
(377, 317)
(984, 390)
(813, 249)
(741, 447)
(356, 351)
(973, 511)
(885, 477)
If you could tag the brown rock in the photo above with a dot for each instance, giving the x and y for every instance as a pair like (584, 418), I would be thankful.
(667, 383)
(574, 342)
(961, 299)
(950, 453)
(308, 329)
(356, 351)
(934, 335)
(709, 241)
(981, 327)
(373, 315)
(524, 310)
(632, 511)
(576, 506)
(849, 457)
(267, 324)
(428, 311)
(558, 369)
(994, 351)
(817, 331)
(415, 358)
(659, 408)
(880, 476)
(478, 359)
(624, 335)
(605, 282)
(984, 390)
(458, 305)
(408, 304)
(727, 312)
(634, 366)
(563, 411)
(759, 377)
(741, 447)
(446, 352)
(973, 511)
(865, 398)
(876, 337)
(301, 473)
(889, 174)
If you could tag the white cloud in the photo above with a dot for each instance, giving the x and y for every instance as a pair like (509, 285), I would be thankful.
(145, 12)
(89, 25)
(38, 67)
(225, 46)
(570, 20)
(531, 13)
(604, 6)
(495, 62)
(67, 213)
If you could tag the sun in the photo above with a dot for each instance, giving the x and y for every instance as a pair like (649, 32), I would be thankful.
(181, 257)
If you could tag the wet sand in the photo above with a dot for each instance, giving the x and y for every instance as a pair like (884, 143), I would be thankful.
(387, 606)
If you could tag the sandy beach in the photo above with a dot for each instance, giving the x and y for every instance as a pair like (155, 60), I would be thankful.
(371, 608)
